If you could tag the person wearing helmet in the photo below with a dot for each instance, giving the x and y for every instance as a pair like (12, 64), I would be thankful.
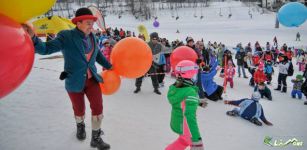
(249, 109)
(185, 91)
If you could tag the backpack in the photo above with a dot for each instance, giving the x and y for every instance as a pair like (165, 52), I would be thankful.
(304, 88)
(290, 69)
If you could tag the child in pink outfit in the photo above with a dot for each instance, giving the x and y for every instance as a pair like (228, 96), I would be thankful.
(229, 74)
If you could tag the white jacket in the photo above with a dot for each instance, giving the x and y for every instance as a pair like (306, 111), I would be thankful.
(283, 68)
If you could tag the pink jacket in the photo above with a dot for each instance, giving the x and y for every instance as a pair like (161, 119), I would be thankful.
(107, 52)
(230, 72)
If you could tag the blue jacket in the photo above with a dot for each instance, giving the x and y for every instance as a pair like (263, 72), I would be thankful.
(75, 63)
(268, 69)
(209, 86)
(249, 108)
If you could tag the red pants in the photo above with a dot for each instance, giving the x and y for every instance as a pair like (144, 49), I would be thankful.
(93, 93)
(230, 80)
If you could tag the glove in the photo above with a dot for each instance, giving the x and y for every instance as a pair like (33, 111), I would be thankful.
(268, 123)
(197, 145)
(203, 103)
(198, 61)
(63, 75)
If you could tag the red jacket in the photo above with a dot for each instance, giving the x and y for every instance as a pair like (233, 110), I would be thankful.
(259, 76)
(289, 54)
(268, 57)
(256, 59)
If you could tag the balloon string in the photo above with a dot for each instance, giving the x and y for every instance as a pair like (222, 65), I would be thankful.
(41, 68)
(147, 75)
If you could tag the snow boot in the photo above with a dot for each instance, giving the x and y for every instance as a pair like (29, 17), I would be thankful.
(81, 134)
(157, 91)
(97, 141)
(305, 103)
(278, 88)
(256, 121)
(137, 90)
(232, 113)
(284, 89)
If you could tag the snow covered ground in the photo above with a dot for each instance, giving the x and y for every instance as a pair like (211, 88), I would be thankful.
(38, 115)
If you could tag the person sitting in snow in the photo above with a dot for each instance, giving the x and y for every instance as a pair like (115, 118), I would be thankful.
(229, 74)
(249, 109)
(212, 90)
(185, 91)
(297, 85)
(264, 91)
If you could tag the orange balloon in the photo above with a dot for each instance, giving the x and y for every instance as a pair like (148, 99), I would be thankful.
(111, 82)
(131, 57)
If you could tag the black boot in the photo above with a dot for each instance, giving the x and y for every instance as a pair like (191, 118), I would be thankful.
(278, 88)
(137, 90)
(81, 134)
(284, 89)
(97, 141)
(232, 113)
(256, 121)
(157, 91)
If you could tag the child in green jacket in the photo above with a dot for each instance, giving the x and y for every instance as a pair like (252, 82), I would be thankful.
(185, 91)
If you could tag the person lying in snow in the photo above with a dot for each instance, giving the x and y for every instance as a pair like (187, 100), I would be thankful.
(249, 109)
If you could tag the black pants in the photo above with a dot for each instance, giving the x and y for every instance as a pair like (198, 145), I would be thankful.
(201, 92)
(282, 80)
(217, 94)
(269, 77)
(162, 75)
(263, 93)
(251, 81)
(154, 79)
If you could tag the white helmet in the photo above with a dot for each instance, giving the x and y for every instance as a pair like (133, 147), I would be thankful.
(256, 96)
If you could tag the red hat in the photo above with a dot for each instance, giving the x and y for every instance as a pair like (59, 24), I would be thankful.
(82, 14)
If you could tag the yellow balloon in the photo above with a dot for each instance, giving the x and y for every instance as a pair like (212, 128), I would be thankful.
(23, 10)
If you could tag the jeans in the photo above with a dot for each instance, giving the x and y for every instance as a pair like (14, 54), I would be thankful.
(239, 71)
(296, 92)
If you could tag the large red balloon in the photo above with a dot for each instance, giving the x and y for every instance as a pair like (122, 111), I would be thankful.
(131, 57)
(16, 55)
(182, 53)
(111, 82)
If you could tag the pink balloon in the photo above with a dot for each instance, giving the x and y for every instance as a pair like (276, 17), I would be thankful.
(182, 53)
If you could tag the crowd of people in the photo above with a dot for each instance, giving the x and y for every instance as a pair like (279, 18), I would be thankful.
(257, 60)
(194, 81)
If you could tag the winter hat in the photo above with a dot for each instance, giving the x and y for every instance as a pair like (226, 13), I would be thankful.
(154, 35)
(256, 96)
(299, 77)
(189, 39)
(82, 14)
(105, 41)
